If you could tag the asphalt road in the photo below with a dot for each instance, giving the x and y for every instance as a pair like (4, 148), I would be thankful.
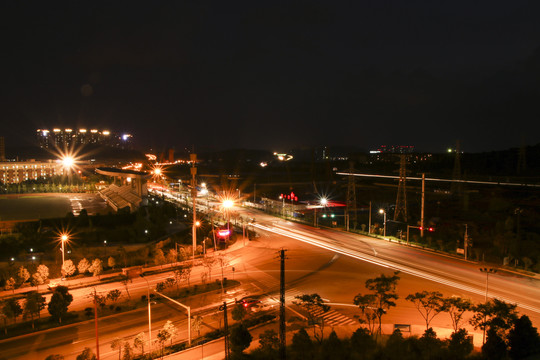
(331, 263)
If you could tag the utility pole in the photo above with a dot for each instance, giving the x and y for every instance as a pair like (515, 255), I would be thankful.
(226, 328)
(351, 198)
(282, 340)
(193, 158)
(369, 225)
(401, 201)
(466, 242)
(422, 211)
(96, 324)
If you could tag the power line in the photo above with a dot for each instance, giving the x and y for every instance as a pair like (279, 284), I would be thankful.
(441, 180)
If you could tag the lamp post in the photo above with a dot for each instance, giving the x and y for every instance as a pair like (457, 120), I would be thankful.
(227, 205)
(487, 271)
(149, 316)
(381, 211)
(322, 202)
(63, 239)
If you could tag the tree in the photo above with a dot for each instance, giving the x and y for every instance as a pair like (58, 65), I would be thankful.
(333, 347)
(114, 295)
(171, 329)
(456, 308)
(186, 272)
(87, 354)
(362, 343)
(428, 303)
(139, 341)
(83, 266)
(302, 346)
(314, 305)
(111, 262)
(96, 268)
(10, 284)
(238, 312)
(209, 262)
(12, 309)
(367, 305)
(35, 302)
(240, 339)
(460, 344)
(495, 314)
(159, 258)
(269, 341)
(523, 340)
(41, 275)
(223, 262)
(196, 324)
(124, 279)
(430, 346)
(495, 347)
(128, 351)
(23, 275)
(384, 289)
(116, 344)
(172, 256)
(163, 336)
(59, 303)
(68, 268)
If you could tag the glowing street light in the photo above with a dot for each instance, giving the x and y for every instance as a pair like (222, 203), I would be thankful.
(322, 202)
(227, 205)
(68, 162)
(381, 211)
(63, 239)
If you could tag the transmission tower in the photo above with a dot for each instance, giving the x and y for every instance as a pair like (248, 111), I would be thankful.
(401, 201)
(351, 198)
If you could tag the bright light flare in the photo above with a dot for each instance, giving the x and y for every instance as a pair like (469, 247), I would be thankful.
(227, 203)
(324, 201)
(68, 161)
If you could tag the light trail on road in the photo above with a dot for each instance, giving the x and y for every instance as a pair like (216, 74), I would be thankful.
(337, 246)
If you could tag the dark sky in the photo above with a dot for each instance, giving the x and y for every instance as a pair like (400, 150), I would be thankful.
(275, 74)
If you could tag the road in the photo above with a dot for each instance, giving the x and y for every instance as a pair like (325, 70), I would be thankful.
(332, 263)
(422, 266)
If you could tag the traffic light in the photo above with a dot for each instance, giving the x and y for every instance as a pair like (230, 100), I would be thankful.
(428, 229)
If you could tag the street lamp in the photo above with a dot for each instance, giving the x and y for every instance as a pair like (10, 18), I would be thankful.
(227, 205)
(381, 211)
(322, 202)
(63, 239)
(487, 271)
(149, 317)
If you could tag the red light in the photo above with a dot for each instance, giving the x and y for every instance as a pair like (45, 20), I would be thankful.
(421, 228)
(431, 229)
(245, 305)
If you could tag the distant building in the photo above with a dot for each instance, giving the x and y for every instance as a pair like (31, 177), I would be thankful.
(65, 138)
(16, 172)
(395, 149)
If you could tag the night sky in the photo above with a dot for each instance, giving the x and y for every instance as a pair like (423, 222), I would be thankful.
(275, 75)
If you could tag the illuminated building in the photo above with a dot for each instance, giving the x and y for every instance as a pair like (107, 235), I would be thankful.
(64, 138)
(16, 172)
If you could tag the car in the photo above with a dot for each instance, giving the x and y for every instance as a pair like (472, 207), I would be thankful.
(248, 301)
